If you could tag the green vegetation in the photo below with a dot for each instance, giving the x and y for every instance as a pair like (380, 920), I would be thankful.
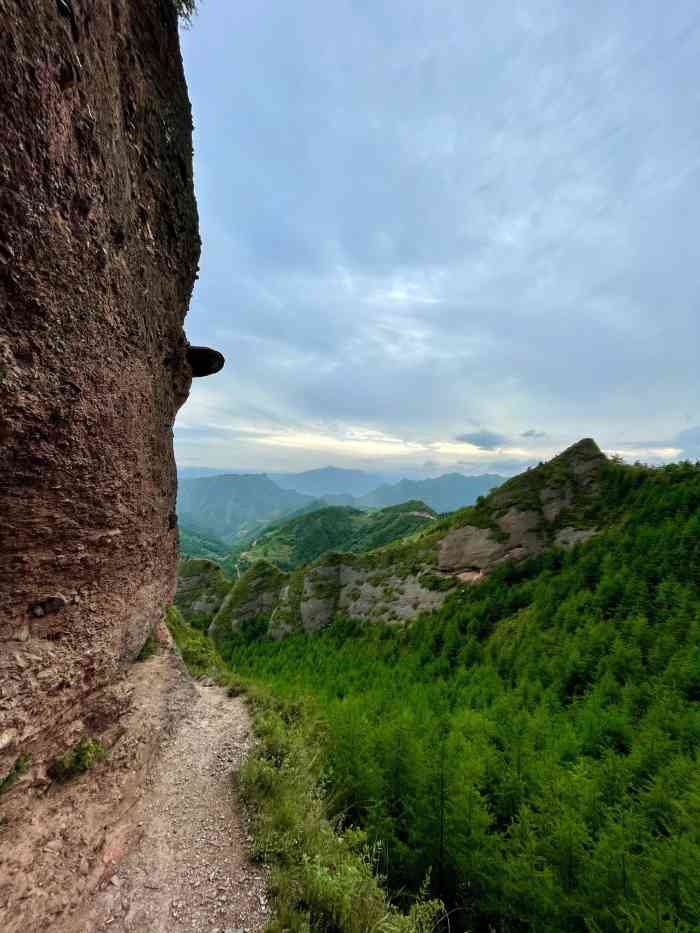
(20, 767)
(201, 589)
(532, 747)
(304, 538)
(196, 649)
(193, 544)
(77, 760)
(148, 648)
(323, 876)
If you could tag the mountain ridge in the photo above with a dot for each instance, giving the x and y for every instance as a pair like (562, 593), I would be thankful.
(553, 505)
(235, 506)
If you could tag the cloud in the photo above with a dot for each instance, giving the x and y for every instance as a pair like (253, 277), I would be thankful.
(689, 442)
(486, 440)
(423, 220)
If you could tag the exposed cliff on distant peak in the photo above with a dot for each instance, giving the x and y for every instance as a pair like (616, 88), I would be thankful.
(547, 505)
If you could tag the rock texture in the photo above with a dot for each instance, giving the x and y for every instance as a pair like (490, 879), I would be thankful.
(201, 588)
(539, 509)
(98, 255)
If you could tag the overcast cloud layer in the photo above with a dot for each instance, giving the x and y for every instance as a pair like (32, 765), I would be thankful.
(444, 235)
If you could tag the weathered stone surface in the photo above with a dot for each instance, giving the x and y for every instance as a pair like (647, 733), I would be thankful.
(468, 547)
(98, 255)
(201, 588)
(520, 532)
(569, 537)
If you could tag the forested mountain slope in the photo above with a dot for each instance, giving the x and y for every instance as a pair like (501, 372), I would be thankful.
(232, 507)
(292, 542)
(531, 747)
(556, 504)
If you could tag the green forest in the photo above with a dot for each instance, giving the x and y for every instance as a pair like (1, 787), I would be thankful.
(527, 754)
(303, 538)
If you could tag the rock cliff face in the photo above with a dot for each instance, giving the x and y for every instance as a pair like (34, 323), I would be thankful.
(98, 255)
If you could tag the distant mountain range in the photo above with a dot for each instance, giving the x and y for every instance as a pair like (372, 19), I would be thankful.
(443, 494)
(330, 481)
(233, 507)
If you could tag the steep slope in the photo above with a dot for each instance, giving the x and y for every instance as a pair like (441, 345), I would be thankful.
(532, 746)
(193, 544)
(98, 254)
(232, 506)
(554, 505)
(443, 494)
(201, 588)
(302, 539)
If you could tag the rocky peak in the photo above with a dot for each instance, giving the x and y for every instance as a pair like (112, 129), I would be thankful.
(542, 507)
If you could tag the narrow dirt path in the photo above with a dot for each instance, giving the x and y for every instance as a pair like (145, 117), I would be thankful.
(188, 870)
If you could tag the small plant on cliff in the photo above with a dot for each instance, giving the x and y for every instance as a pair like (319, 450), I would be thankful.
(148, 649)
(20, 767)
(77, 760)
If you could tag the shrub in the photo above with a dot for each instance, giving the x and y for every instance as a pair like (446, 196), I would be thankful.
(197, 651)
(20, 767)
(77, 760)
(148, 648)
(323, 876)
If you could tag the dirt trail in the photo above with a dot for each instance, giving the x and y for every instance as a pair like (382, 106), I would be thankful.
(188, 868)
(151, 840)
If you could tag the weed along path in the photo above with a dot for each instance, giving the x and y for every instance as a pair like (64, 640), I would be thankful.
(187, 869)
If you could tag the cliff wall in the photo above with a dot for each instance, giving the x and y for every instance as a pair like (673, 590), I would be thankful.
(98, 255)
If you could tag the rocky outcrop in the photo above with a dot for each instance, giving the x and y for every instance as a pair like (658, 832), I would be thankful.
(538, 509)
(98, 255)
(309, 599)
(201, 589)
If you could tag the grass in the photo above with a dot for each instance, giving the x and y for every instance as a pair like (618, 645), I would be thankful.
(77, 760)
(148, 648)
(197, 651)
(323, 874)
(20, 767)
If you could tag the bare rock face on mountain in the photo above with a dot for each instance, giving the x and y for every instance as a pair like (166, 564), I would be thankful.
(531, 512)
(98, 255)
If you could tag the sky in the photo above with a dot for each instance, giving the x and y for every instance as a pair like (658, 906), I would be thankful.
(444, 235)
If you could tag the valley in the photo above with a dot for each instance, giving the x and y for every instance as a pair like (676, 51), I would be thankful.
(234, 507)
(524, 744)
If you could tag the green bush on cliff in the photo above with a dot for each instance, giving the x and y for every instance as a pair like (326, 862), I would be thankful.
(20, 767)
(196, 649)
(77, 760)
